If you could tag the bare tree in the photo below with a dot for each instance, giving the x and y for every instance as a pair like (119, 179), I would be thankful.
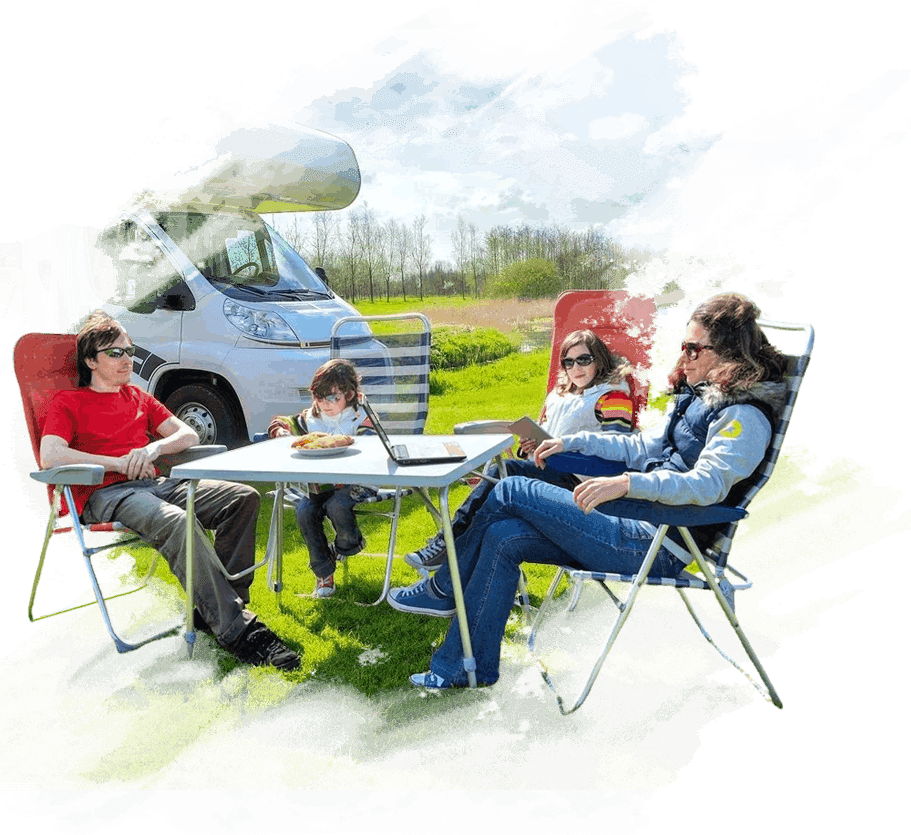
(325, 229)
(370, 241)
(459, 239)
(421, 250)
(400, 249)
(351, 253)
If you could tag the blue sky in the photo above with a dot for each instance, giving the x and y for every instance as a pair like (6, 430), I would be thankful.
(580, 133)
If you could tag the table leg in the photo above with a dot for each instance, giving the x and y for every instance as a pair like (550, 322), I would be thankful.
(468, 661)
(276, 543)
(190, 549)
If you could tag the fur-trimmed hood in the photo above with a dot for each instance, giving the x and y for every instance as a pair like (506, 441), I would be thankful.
(773, 394)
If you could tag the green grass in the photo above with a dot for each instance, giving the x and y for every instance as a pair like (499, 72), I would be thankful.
(76, 715)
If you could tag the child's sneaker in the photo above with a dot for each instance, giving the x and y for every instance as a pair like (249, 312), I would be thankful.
(325, 586)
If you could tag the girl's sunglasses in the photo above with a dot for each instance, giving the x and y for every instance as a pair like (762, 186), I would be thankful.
(693, 349)
(332, 398)
(117, 353)
(582, 359)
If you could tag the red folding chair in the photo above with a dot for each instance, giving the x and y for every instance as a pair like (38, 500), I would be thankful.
(45, 364)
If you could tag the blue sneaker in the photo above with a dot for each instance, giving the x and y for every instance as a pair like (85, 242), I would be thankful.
(421, 600)
(430, 681)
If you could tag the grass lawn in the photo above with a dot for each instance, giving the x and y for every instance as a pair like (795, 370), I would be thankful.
(76, 715)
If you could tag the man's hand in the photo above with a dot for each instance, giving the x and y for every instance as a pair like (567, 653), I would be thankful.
(547, 447)
(594, 491)
(137, 463)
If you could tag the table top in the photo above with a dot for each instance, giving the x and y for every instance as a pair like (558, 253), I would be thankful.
(365, 462)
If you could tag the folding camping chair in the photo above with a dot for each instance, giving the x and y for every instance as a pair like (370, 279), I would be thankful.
(45, 364)
(716, 574)
(623, 322)
(392, 355)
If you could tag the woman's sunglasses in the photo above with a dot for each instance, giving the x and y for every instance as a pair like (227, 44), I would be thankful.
(693, 349)
(117, 353)
(582, 360)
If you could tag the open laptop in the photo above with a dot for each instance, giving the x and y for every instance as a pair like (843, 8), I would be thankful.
(414, 452)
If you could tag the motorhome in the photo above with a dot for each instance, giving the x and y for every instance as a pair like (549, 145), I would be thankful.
(228, 320)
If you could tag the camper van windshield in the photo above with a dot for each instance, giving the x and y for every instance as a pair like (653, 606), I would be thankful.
(242, 256)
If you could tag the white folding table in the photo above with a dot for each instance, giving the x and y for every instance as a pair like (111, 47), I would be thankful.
(366, 462)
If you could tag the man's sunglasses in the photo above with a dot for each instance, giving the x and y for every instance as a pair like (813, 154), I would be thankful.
(117, 353)
(693, 349)
(582, 359)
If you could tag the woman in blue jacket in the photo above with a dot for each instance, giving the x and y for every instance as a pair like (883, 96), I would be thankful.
(728, 386)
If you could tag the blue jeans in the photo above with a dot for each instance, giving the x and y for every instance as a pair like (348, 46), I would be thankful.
(338, 505)
(514, 466)
(527, 520)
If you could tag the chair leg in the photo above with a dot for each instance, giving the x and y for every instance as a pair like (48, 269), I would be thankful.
(577, 593)
(625, 608)
(769, 694)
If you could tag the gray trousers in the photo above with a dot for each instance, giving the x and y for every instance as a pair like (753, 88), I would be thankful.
(155, 508)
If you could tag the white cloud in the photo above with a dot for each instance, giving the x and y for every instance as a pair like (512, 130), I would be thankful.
(667, 137)
(617, 127)
(676, 48)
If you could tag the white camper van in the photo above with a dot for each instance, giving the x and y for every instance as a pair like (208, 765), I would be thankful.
(229, 322)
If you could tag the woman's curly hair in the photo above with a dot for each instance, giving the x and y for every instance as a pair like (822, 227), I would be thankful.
(745, 355)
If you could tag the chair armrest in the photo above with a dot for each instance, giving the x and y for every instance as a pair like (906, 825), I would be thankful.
(193, 453)
(71, 474)
(483, 427)
(684, 515)
(588, 465)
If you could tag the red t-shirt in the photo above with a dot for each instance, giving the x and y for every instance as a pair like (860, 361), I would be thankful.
(104, 423)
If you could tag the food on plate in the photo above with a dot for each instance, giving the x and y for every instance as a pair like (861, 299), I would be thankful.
(322, 440)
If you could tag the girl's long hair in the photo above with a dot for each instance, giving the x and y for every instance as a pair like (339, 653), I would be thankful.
(745, 355)
(610, 366)
(339, 374)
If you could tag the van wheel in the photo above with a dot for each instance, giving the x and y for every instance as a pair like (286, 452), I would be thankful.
(206, 411)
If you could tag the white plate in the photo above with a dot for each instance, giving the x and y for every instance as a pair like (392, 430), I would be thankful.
(323, 453)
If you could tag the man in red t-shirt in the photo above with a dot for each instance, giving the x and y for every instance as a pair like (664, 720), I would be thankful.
(107, 421)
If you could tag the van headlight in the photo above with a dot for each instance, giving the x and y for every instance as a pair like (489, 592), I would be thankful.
(259, 324)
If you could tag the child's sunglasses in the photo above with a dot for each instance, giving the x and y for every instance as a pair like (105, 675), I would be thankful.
(582, 360)
(117, 353)
(332, 398)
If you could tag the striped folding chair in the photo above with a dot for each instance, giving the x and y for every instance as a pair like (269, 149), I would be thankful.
(714, 572)
(392, 355)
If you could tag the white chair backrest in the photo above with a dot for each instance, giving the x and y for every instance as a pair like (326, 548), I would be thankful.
(392, 355)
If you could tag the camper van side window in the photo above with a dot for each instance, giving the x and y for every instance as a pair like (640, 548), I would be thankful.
(143, 270)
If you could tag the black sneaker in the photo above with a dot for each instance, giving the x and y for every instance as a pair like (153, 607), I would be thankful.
(260, 646)
(431, 557)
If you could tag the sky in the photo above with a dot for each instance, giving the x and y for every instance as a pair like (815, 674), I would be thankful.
(581, 133)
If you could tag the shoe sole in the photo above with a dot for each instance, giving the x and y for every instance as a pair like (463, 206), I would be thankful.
(416, 610)
(420, 683)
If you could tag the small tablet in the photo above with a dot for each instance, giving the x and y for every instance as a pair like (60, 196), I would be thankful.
(525, 427)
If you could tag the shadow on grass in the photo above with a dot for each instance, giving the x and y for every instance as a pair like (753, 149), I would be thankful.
(358, 702)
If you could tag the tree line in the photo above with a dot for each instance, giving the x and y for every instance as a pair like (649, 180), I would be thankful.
(366, 257)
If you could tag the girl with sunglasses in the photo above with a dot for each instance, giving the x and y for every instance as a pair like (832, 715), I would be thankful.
(592, 394)
(335, 389)
(729, 388)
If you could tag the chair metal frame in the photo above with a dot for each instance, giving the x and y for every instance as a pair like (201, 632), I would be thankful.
(55, 356)
(712, 563)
